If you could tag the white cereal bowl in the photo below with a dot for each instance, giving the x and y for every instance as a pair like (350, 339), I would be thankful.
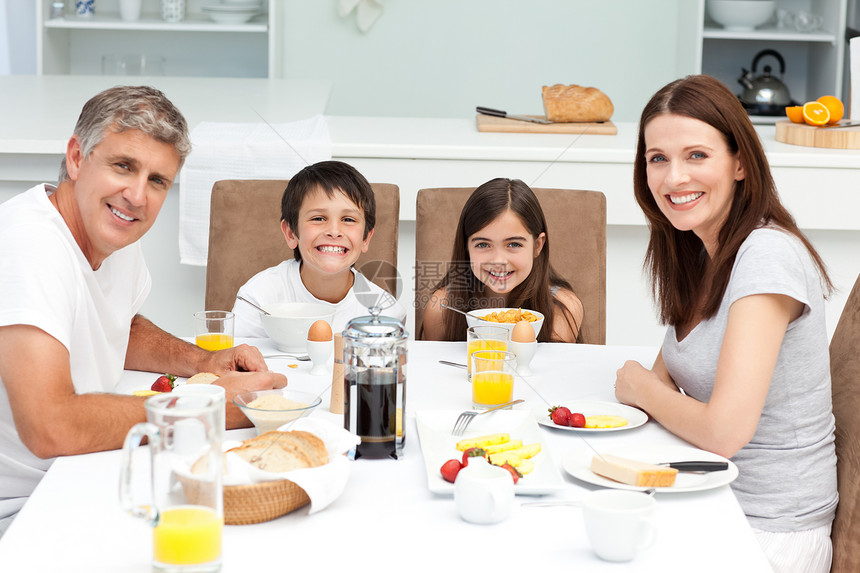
(473, 318)
(740, 15)
(266, 420)
(288, 322)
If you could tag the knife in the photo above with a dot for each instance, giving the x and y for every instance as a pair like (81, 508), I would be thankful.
(698, 466)
(500, 113)
(836, 125)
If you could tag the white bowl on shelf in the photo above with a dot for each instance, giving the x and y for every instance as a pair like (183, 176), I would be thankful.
(741, 15)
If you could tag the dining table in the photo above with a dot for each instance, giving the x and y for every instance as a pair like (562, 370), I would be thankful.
(392, 513)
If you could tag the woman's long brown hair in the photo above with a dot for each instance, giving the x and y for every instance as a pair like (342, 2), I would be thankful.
(466, 292)
(677, 262)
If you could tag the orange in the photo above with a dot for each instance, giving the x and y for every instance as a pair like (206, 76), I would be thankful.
(834, 106)
(815, 113)
(794, 113)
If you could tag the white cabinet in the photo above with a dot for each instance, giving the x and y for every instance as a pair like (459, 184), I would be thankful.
(814, 61)
(196, 46)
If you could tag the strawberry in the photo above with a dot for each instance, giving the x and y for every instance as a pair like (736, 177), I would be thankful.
(471, 453)
(450, 469)
(577, 420)
(514, 473)
(163, 383)
(560, 415)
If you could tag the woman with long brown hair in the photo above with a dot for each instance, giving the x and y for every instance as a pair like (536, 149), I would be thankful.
(501, 259)
(744, 368)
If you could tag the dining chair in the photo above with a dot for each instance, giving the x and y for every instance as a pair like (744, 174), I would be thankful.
(845, 384)
(245, 237)
(576, 225)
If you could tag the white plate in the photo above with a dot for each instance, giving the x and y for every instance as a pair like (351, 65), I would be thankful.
(578, 465)
(239, 7)
(635, 417)
(438, 446)
(229, 14)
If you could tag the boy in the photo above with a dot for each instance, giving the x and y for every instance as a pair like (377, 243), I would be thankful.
(328, 212)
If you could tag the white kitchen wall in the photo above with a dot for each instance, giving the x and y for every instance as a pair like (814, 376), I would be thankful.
(18, 36)
(441, 58)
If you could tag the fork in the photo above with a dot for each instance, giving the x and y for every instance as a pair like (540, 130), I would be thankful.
(464, 419)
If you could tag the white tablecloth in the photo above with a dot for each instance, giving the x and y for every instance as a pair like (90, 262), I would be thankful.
(387, 516)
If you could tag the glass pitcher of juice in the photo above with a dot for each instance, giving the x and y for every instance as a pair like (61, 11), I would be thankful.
(185, 506)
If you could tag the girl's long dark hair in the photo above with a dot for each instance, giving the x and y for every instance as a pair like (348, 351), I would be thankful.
(463, 289)
(677, 262)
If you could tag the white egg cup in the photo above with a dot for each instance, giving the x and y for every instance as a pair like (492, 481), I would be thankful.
(525, 351)
(319, 353)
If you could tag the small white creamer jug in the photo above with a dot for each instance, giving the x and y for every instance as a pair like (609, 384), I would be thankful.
(483, 492)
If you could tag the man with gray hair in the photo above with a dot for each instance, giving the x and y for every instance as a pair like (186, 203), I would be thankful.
(72, 279)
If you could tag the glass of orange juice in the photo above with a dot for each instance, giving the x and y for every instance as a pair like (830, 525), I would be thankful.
(213, 329)
(485, 338)
(185, 432)
(492, 378)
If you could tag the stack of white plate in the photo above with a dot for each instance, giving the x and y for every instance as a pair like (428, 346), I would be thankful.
(232, 11)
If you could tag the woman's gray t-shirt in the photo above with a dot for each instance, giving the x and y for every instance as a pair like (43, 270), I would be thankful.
(787, 478)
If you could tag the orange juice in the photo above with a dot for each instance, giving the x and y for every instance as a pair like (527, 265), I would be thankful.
(482, 344)
(491, 388)
(187, 535)
(214, 341)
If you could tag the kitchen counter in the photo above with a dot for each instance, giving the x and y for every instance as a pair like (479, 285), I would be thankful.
(600, 162)
(39, 112)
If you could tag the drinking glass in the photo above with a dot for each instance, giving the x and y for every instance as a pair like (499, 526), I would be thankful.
(485, 338)
(132, 65)
(492, 378)
(184, 505)
(213, 329)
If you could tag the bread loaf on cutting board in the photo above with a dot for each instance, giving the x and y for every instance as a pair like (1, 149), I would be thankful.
(573, 103)
(632, 472)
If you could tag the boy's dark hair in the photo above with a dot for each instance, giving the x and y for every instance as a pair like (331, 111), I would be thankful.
(329, 177)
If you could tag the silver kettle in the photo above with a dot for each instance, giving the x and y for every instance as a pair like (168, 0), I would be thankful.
(766, 90)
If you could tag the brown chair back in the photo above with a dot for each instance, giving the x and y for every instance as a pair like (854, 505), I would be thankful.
(845, 381)
(245, 237)
(576, 223)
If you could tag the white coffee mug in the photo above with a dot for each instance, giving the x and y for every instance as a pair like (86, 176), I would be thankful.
(619, 523)
(483, 493)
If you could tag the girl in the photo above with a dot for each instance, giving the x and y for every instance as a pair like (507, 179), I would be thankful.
(742, 291)
(501, 259)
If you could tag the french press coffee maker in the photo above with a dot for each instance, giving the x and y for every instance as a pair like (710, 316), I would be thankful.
(374, 362)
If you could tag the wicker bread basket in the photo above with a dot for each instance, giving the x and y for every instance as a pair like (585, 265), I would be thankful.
(247, 504)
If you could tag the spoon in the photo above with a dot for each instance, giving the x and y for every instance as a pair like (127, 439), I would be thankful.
(243, 299)
(572, 502)
(300, 357)
(463, 312)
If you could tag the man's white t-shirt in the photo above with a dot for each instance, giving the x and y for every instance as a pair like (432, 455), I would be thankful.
(283, 283)
(46, 282)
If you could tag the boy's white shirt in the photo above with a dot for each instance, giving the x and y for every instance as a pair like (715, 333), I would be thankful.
(283, 283)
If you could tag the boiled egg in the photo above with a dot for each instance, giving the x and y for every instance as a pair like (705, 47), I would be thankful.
(523, 332)
(320, 331)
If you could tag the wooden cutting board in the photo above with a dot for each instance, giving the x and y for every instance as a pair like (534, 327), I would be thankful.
(492, 123)
(810, 136)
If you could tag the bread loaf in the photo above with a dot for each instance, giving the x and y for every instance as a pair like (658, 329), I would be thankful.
(566, 104)
(203, 378)
(632, 472)
(283, 451)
